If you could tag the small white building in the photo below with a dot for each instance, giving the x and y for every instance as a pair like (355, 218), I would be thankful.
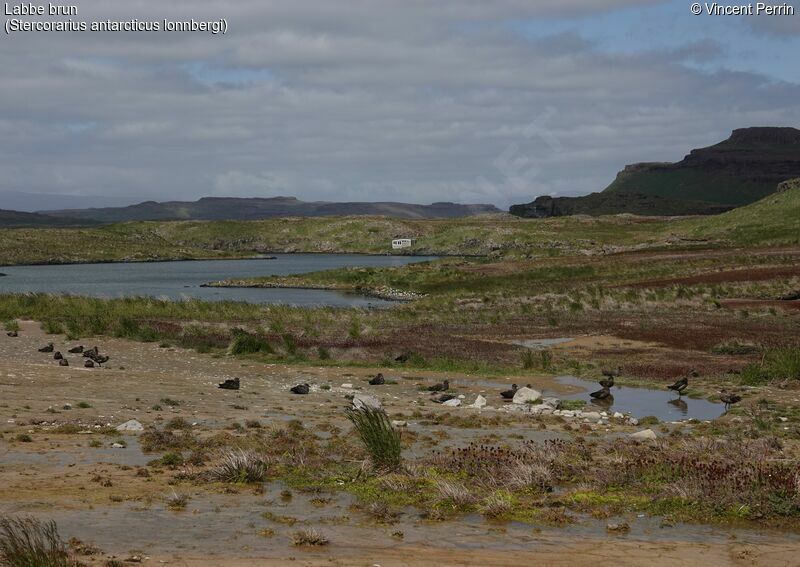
(399, 243)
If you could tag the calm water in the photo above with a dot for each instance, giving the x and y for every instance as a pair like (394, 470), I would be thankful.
(180, 280)
(663, 404)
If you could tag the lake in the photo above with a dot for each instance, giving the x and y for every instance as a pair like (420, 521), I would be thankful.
(181, 280)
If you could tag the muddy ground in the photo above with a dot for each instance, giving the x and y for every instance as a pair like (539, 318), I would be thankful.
(99, 494)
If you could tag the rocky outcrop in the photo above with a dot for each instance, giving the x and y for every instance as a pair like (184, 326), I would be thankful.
(740, 170)
(789, 185)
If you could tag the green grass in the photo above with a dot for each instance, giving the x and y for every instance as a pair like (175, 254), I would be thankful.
(777, 365)
(248, 343)
(380, 439)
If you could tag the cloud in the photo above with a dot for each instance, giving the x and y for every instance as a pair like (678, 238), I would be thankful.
(358, 100)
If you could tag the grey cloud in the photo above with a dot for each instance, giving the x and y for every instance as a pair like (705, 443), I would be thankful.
(358, 100)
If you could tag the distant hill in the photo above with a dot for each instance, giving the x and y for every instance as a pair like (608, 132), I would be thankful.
(740, 170)
(225, 208)
(18, 219)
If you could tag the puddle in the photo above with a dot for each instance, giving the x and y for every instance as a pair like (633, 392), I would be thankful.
(232, 524)
(540, 344)
(131, 455)
(639, 402)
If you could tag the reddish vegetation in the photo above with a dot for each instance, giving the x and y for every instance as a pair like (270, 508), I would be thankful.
(743, 275)
(793, 305)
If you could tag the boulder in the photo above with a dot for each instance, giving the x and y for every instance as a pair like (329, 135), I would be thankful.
(131, 425)
(366, 400)
(479, 402)
(552, 402)
(591, 415)
(454, 403)
(644, 435)
(618, 415)
(347, 386)
(526, 396)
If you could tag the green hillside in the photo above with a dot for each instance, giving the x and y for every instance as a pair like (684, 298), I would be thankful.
(740, 170)
(773, 220)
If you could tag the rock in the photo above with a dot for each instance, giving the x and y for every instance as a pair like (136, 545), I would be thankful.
(479, 402)
(618, 415)
(398, 423)
(454, 403)
(347, 386)
(618, 527)
(783, 419)
(633, 421)
(462, 397)
(526, 395)
(552, 402)
(591, 415)
(644, 435)
(117, 446)
(366, 400)
(131, 425)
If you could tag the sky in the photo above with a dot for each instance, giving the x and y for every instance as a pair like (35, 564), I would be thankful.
(473, 101)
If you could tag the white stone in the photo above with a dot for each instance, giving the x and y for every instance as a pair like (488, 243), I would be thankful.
(526, 395)
(117, 446)
(454, 403)
(644, 435)
(132, 425)
(591, 415)
(462, 397)
(784, 419)
(618, 415)
(347, 385)
(479, 402)
(552, 402)
(398, 423)
(366, 400)
(633, 421)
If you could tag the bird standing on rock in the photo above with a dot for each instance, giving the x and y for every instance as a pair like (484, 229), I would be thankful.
(440, 387)
(377, 380)
(301, 389)
(442, 398)
(509, 394)
(48, 348)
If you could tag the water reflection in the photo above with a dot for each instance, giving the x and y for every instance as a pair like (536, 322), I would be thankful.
(641, 402)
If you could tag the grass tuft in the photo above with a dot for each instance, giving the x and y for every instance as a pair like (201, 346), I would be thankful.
(28, 542)
(380, 439)
(240, 467)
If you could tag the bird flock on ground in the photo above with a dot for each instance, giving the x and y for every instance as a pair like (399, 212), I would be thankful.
(438, 391)
(92, 355)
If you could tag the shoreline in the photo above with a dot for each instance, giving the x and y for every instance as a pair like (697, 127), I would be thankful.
(268, 256)
(384, 294)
